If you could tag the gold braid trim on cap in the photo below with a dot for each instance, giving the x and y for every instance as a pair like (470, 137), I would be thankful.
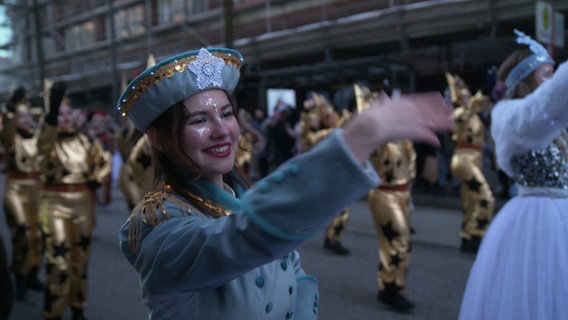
(167, 71)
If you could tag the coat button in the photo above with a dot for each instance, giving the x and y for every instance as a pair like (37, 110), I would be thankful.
(289, 315)
(291, 290)
(284, 265)
(259, 282)
(269, 307)
(263, 186)
(293, 169)
(277, 177)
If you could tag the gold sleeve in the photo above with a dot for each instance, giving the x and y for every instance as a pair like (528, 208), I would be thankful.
(101, 163)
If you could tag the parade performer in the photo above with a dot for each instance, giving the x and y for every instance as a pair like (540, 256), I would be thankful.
(205, 245)
(251, 142)
(125, 139)
(519, 272)
(390, 205)
(22, 185)
(476, 196)
(72, 167)
(317, 124)
(137, 172)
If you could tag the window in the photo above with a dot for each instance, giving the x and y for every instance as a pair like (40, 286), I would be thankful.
(171, 11)
(129, 22)
(80, 35)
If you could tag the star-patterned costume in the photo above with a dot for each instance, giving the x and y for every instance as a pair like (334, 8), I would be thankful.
(476, 196)
(20, 197)
(69, 162)
(390, 205)
(317, 124)
(137, 172)
(520, 270)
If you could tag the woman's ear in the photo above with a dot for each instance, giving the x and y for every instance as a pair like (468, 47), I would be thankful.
(153, 137)
(523, 89)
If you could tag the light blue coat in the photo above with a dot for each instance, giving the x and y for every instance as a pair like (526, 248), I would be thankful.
(244, 266)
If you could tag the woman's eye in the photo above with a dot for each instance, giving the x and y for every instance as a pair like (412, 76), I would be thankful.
(197, 120)
(228, 114)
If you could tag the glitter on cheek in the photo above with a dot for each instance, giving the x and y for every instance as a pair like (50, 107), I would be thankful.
(200, 132)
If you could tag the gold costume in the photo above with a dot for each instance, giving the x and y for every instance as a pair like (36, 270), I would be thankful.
(315, 125)
(70, 163)
(390, 205)
(126, 139)
(21, 191)
(137, 172)
(466, 165)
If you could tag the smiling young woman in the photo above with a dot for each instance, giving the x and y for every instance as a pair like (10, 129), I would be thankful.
(206, 244)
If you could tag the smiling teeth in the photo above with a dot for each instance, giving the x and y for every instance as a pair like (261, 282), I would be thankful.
(218, 149)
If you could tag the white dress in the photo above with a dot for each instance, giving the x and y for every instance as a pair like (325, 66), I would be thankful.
(521, 269)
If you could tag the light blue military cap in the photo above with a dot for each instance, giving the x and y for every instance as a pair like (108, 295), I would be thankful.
(177, 78)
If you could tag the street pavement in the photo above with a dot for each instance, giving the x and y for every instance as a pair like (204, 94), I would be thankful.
(437, 276)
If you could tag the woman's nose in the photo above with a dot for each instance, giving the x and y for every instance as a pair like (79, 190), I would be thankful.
(220, 128)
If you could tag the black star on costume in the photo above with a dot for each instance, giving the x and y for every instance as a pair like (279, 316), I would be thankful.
(482, 222)
(61, 250)
(145, 160)
(49, 268)
(389, 177)
(63, 277)
(84, 242)
(388, 231)
(395, 260)
(473, 184)
(65, 172)
(49, 299)
(21, 229)
(484, 203)
(337, 229)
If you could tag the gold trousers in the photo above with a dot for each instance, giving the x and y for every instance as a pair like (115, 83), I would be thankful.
(391, 216)
(21, 209)
(477, 199)
(336, 229)
(66, 219)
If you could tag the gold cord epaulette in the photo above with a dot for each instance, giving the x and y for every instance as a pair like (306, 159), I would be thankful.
(151, 211)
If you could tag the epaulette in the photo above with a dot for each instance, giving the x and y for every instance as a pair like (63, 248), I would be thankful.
(151, 211)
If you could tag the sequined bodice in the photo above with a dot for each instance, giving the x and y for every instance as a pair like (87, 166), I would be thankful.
(546, 167)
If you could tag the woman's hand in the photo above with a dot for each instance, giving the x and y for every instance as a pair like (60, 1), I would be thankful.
(415, 117)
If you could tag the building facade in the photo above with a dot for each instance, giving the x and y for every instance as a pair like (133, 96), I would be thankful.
(97, 45)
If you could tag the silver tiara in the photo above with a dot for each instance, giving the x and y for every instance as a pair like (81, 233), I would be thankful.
(522, 70)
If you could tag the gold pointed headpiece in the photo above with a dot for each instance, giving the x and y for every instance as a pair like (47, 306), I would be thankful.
(364, 97)
(455, 84)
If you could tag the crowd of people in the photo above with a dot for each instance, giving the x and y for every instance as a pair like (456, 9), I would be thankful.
(235, 192)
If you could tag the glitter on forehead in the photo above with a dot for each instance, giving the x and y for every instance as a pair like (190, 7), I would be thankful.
(211, 103)
(207, 69)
